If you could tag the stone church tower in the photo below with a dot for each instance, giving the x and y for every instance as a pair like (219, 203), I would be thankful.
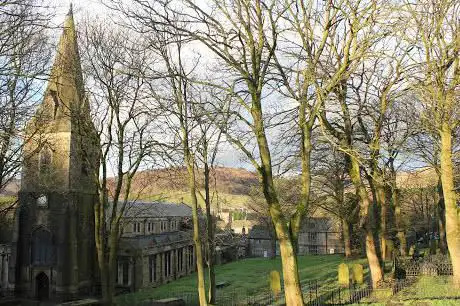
(54, 243)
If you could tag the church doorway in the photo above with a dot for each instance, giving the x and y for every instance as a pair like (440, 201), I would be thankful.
(42, 287)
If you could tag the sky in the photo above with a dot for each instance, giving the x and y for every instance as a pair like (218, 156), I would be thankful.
(228, 156)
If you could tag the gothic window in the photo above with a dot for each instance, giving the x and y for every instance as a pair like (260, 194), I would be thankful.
(42, 248)
(180, 262)
(125, 273)
(45, 159)
(153, 268)
(168, 261)
(190, 256)
(136, 227)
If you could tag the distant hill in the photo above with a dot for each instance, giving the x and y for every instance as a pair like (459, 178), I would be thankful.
(11, 189)
(230, 185)
(420, 178)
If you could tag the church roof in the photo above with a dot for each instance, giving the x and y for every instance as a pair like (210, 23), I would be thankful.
(157, 209)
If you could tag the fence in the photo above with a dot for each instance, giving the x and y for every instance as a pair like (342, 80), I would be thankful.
(314, 293)
(423, 278)
(433, 265)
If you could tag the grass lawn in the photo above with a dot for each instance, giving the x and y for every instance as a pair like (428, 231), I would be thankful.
(250, 278)
(247, 277)
(430, 290)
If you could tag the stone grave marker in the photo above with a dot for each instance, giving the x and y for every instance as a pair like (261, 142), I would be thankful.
(344, 275)
(357, 274)
(275, 282)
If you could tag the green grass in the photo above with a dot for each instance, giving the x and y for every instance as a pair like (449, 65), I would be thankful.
(250, 277)
(429, 290)
(247, 277)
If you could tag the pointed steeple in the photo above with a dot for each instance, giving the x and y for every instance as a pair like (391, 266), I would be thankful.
(64, 96)
(70, 9)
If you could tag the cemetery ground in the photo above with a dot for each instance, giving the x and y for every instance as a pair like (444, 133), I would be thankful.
(246, 277)
(246, 282)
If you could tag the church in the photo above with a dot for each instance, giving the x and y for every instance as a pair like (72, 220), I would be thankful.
(53, 254)
(53, 250)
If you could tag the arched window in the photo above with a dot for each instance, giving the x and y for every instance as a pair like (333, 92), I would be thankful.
(42, 247)
(45, 159)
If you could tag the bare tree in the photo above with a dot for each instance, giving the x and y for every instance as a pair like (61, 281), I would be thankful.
(209, 139)
(331, 185)
(436, 78)
(24, 60)
(236, 33)
(124, 116)
(355, 17)
(178, 104)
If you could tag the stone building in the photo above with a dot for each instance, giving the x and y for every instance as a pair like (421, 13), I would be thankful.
(156, 245)
(262, 242)
(317, 236)
(53, 246)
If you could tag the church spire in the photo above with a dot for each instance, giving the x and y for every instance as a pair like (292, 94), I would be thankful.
(64, 96)
(70, 10)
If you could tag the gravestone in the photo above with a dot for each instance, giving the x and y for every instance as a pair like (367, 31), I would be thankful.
(357, 274)
(275, 282)
(344, 275)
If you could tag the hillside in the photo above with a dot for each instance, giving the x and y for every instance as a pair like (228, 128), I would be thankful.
(230, 186)
(421, 178)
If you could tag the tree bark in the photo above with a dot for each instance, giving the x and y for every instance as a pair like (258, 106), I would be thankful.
(346, 230)
(452, 210)
(441, 220)
(306, 127)
(381, 202)
(292, 288)
(210, 231)
(196, 229)
(367, 222)
(400, 233)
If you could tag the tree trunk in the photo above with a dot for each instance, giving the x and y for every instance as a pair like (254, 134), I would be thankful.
(381, 202)
(292, 288)
(112, 264)
(400, 233)
(367, 222)
(346, 230)
(450, 201)
(273, 246)
(100, 239)
(196, 228)
(441, 220)
(210, 233)
(306, 127)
